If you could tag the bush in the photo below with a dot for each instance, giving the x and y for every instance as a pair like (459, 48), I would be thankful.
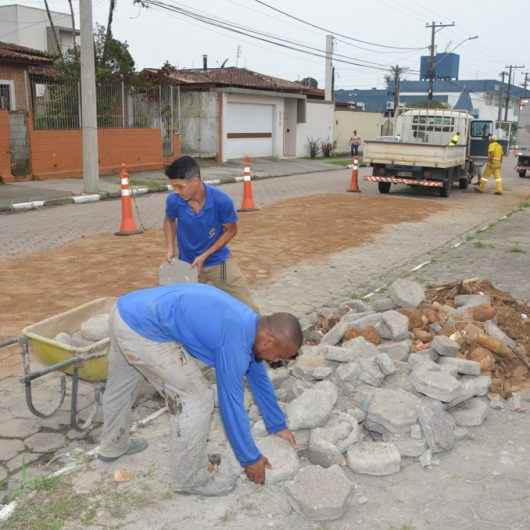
(314, 148)
(327, 148)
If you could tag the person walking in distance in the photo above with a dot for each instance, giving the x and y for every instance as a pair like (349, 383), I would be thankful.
(493, 167)
(355, 142)
(166, 335)
(201, 220)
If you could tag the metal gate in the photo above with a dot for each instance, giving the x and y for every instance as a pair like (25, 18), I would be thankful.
(19, 144)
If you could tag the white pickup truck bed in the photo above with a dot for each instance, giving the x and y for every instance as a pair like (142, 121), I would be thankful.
(413, 154)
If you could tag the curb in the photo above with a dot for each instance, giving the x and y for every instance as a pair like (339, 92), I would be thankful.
(137, 191)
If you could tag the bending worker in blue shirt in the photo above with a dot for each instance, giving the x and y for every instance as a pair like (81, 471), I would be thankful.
(166, 334)
(202, 220)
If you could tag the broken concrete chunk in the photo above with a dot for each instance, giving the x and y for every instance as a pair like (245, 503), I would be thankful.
(338, 354)
(328, 443)
(406, 446)
(385, 364)
(359, 306)
(78, 341)
(461, 366)
(321, 494)
(398, 351)
(282, 457)
(313, 407)
(347, 376)
(395, 410)
(305, 365)
(438, 385)
(471, 300)
(292, 387)
(374, 458)
(393, 326)
(423, 359)
(96, 328)
(471, 413)
(63, 338)
(383, 304)
(445, 346)
(177, 271)
(259, 430)
(360, 347)
(321, 373)
(437, 425)
(406, 293)
(335, 334)
(370, 373)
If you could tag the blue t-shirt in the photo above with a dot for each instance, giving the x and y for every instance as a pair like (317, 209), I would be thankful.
(198, 231)
(220, 331)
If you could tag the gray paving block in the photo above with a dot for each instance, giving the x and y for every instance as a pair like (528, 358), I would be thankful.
(321, 494)
(10, 448)
(395, 410)
(313, 407)
(445, 346)
(437, 425)
(45, 442)
(374, 458)
(471, 413)
(406, 293)
(438, 385)
(282, 457)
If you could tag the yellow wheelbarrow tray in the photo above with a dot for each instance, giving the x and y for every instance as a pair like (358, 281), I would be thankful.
(88, 364)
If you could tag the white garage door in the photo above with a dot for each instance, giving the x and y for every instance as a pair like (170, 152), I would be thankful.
(248, 130)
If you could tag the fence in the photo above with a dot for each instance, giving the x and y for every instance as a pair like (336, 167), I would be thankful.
(57, 105)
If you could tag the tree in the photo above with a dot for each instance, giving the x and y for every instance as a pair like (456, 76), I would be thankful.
(310, 82)
(108, 33)
(72, 19)
(118, 61)
(52, 26)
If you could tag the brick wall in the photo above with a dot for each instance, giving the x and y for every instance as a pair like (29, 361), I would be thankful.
(58, 154)
(16, 74)
(5, 150)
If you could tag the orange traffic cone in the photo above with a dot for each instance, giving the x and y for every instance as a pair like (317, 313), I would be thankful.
(354, 186)
(247, 205)
(128, 226)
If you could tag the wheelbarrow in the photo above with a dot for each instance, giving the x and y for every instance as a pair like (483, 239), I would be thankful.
(78, 364)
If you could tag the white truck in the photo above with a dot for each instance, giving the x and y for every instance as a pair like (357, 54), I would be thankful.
(419, 154)
(523, 139)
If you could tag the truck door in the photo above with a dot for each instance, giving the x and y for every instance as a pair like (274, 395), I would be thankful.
(479, 138)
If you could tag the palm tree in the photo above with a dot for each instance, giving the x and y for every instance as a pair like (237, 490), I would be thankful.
(108, 35)
(74, 42)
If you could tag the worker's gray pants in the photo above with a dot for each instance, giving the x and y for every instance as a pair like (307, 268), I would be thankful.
(177, 376)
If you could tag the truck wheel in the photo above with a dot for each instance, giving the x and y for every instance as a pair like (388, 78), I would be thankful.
(522, 173)
(445, 190)
(384, 187)
(463, 183)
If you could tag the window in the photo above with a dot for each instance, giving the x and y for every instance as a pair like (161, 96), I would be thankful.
(6, 95)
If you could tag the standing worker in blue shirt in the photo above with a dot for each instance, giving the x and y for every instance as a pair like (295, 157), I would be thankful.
(202, 220)
(165, 334)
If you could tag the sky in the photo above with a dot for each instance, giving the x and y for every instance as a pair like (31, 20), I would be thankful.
(156, 35)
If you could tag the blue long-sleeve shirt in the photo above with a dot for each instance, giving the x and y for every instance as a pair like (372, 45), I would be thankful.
(220, 331)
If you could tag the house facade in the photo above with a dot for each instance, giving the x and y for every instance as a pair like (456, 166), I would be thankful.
(229, 113)
(30, 27)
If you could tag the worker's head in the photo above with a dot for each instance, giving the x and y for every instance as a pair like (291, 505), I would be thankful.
(278, 338)
(355, 132)
(493, 138)
(458, 132)
(184, 176)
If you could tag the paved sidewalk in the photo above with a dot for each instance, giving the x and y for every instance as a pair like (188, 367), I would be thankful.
(61, 191)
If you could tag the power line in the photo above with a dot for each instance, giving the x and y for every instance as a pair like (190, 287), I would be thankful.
(335, 33)
(238, 29)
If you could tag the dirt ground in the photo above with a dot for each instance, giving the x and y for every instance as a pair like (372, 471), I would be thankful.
(269, 241)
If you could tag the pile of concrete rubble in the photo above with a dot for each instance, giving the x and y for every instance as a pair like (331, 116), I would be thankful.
(91, 331)
(384, 387)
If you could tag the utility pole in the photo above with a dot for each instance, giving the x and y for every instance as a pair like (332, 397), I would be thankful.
(525, 83)
(499, 114)
(397, 71)
(511, 68)
(88, 100)
(328, 96)
(432, 71)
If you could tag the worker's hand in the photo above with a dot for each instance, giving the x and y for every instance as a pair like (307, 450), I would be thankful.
(170, 255)
(286, 434)
(198, 262)
(256, 472)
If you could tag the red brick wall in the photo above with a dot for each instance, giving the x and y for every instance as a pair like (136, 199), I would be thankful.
(58, 154)
(5, 149)
(16, 73)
